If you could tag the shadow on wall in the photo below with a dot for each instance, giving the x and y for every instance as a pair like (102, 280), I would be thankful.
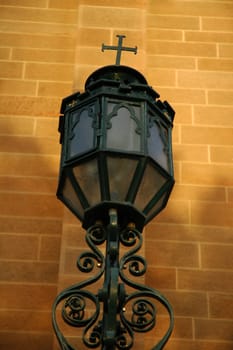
(190, 260)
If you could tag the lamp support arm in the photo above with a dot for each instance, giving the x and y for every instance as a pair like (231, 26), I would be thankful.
(119, 313)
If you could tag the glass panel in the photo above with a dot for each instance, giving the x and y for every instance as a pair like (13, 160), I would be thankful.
(158, 206)
(151, 183)
(120, 172)
(81, 132)
(123, 127)
(158, 143)
(87, 176)
(71, 198)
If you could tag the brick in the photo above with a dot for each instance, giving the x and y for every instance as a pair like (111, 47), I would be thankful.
(170, 62)
(189, 233)
(164, 77)
(218, 64)
(36, 27)
(31, 225)
(25, 320)
(28, 184)
(206, 135)
(34, 341)
(171, 254)
(197, 345)
(11, 69)
(186, 96)
(220, 214)
(170, 22)
(71, 256)
(230, 194)
(157, 47)
(160, 277)
(115, 3)
(59, 4)
(177, 171)
(50, 248)
(176, 211)
(216, 256)
(43, 55)
(219, 97)
(216, 116)
(188, 303)
(217, 24)
(183, 114)
(38, 15)
(214, 37)
(81, 74)
(30, 205)
(54, 89)
(26, 3)
(34, 272)
(221, 154)
(164, 34)
(16, 126)
(225, 50)
(45, 71)
(190, 153)
(19, 87)
(38, 297)
(47, 127)
(29, 165)
(207, 280)
(4, 53)
(221, 305)
(41, 41)
(103, 17)
(18, 247)
(183, 328)
(191, 8)
(176, 134)
(207, 174)
(206, 80)
(30, 145)
(93, 36)
(202, 193)
(213, 329)
(29, 106)
(70, 218)
(91, 55)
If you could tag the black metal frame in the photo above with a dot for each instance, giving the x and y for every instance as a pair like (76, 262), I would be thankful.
(110, 327)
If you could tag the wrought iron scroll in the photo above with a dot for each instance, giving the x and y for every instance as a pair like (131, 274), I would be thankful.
(123, 313)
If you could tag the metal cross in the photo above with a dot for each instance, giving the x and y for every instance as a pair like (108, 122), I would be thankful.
(119, 48)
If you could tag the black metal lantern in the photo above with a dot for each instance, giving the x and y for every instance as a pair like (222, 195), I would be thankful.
(116, 172)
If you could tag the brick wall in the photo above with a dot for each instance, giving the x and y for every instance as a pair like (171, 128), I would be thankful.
(189, 246)
(48, 48)
(36, 68)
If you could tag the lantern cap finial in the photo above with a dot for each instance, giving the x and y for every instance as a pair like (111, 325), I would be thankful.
(119, 48)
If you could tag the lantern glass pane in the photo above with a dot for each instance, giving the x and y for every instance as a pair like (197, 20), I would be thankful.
(87, 176)
(151, 183)
(123, 127)
(71, 198)
(81, 131)
(120, 172)
(157, 207)
(158, 143)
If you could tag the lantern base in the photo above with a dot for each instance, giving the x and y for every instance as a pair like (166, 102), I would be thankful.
(126, 214)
